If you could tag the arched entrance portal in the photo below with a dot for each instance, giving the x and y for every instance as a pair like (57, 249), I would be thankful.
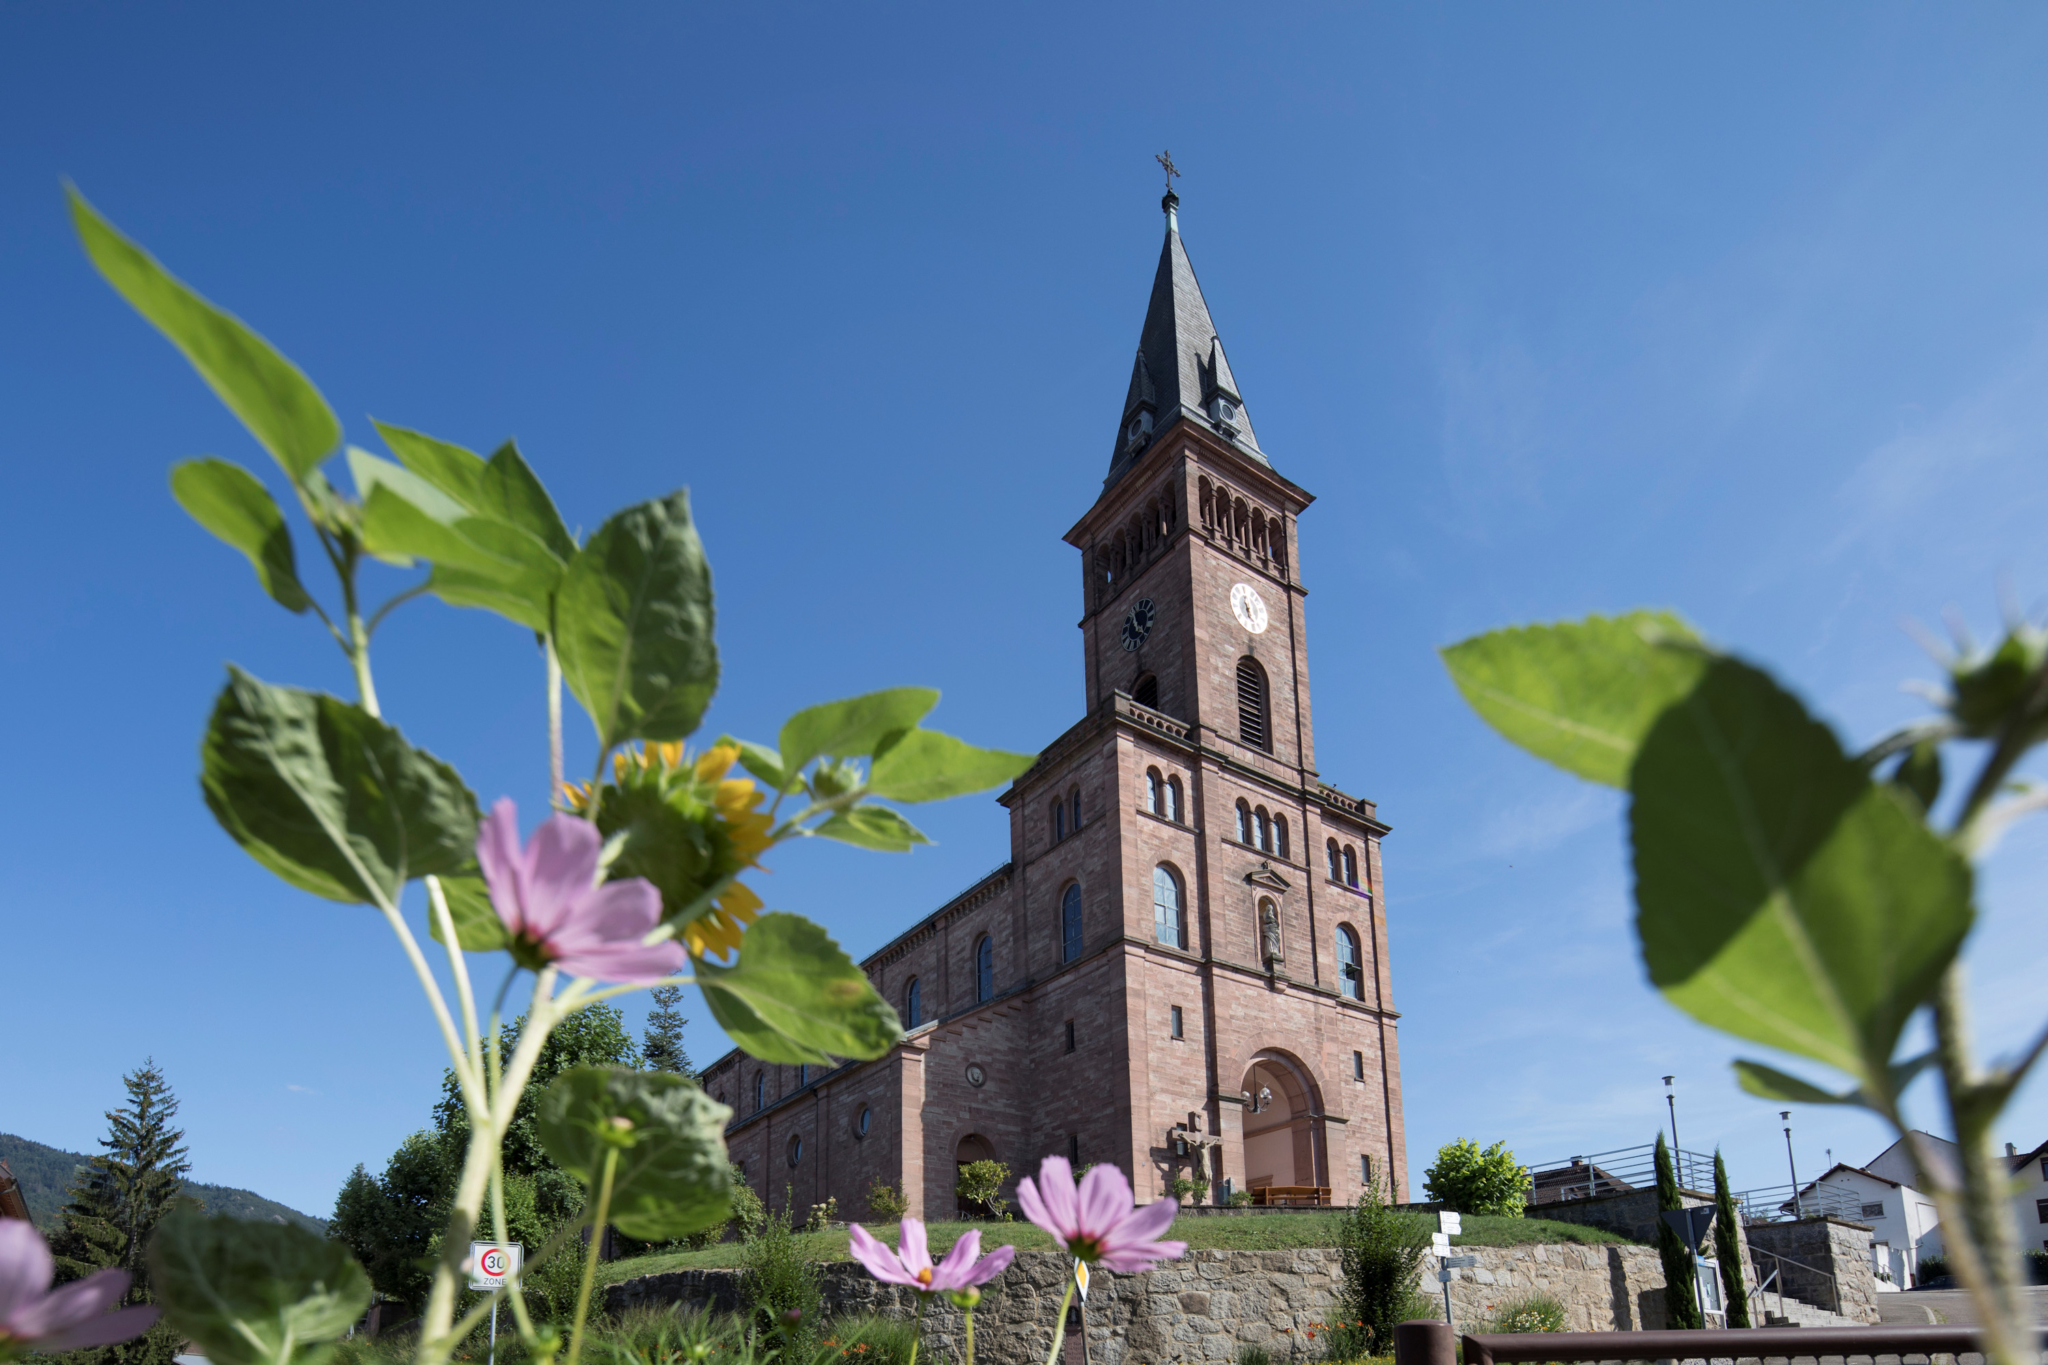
(1284, 1151)
(972, 1148)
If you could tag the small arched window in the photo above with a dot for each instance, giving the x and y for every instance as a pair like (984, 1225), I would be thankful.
(1280, 835)
(1350, 866)
(913, 1004)
(1074, 800)
(1145, 691)
(1251, 703)
(1244, 823)
(985, 969)
(803, 1074)
(1173, 804)
(1262, 829)
(1336, 862)
(1070, 925)
(1152, 791)
(1059, 821)
(1169, 922)
(1350, 971)
(760, 1091)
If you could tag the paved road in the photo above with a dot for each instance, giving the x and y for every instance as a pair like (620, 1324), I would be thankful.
(1953, 1305)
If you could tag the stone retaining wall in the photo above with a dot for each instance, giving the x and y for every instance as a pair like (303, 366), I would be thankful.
(1208, 1305)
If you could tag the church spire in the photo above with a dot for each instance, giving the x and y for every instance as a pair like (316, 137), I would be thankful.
(1180, 373)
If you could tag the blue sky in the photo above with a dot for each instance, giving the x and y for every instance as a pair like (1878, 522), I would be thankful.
(1556, 309)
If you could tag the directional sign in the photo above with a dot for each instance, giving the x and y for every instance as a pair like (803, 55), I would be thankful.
(1690, 1224)
(1450, 1223)
(1081, 1278)
(1459, 1262)
(491, 1264)
(1440, 1243)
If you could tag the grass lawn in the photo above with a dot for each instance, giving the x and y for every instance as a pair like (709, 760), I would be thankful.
(1259, 1232)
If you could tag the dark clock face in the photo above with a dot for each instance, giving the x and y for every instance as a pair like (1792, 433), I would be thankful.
(1138, 623)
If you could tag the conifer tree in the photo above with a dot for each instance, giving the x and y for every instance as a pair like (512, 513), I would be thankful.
(1728, 1247)
(662, 1043)
(1681, 1303)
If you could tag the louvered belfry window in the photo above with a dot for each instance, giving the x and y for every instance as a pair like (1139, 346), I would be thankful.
(1251, 703)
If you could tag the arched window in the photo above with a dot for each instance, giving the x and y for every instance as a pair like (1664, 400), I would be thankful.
(1074, 800)
(1350, 974)
(1280, 835)
(1251, 703)
(913, 1004)
(760, 1091)
(803, 1075)
(1070, 925)
(1059, 821)
(1173, 804)
(1262, 829)
(1350, 866)
(985, 969)
(1145, 691)
(1169, 923)
(1244, 823)
(1152, 791)
(1336, 863)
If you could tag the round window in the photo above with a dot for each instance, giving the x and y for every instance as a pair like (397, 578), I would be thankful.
(796, 1150)
(860, 1122)
(975, 1075)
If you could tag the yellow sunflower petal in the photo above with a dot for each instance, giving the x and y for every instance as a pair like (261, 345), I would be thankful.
(715, 761)
(671, 754)
(739, 899)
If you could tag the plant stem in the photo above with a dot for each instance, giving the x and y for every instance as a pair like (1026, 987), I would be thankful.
(437, 902)
(917, 1328)
(557, 773)
(970, 1335)
(604, 1208)
(1059, 1330)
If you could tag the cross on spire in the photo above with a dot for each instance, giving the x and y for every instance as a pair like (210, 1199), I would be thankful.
(1165, 159)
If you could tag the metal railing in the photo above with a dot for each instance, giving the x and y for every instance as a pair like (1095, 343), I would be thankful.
(1624, 1169)
(1434, 1343)
(1784, 1204)
(1779, 1277)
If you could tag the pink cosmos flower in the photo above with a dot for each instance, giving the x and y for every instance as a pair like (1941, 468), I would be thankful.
(1100, 1222)
(912, 1266)
(34, 1319)
(547, 895)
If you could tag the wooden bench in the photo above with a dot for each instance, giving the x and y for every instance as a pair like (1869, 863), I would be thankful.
(1291, 1196)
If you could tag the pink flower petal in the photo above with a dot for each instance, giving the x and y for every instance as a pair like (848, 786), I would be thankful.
(623, 909)
(1034, 1209)
(25, 1266)
(912, 1249)
(561, 867)
(951, 1273)
(990, 1266)
(1056, 1190)
(1130, 1260)
(878, 1260)
(1104, 1201)
(503, 862)
(67, 1307)
(1143, 1225)
(102, 1331)
(623, 962)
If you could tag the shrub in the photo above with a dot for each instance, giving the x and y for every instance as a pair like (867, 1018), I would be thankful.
(1253, 1355)
(980, 1185)
(1183, 1189)
(1931, 1268)
(1380, 1252)
(824, 1215)
(886, 1202)
(1474, 1181)
(1530, 1313)
(2037, 1267)
(776, 1282)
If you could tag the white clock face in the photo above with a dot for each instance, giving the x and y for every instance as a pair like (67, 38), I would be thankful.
(1249, 608)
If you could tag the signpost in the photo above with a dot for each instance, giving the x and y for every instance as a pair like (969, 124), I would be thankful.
(1448, 1225)
(1691, 1225)
(492, 1265)
(1081, 1311)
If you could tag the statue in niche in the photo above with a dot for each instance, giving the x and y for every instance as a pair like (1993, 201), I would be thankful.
(1269, 934)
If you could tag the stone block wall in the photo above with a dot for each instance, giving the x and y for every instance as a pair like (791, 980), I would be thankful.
(1831, 1245)
(1210, 1304)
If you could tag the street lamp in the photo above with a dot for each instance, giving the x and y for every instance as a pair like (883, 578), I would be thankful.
(1790, 1164)
(1677, 1154)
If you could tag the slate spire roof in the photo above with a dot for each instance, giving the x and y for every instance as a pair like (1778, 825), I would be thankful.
(1180, 372)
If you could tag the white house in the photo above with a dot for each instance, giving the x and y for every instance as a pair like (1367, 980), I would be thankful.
(1900, 1217)
(2030, 1195)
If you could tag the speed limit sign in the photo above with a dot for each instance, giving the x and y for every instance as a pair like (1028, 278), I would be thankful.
(491, 1264)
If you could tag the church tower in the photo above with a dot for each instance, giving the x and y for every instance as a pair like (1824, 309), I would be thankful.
(1182, 967)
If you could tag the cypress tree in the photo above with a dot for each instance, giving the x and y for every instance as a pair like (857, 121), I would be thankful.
(1681, 1303)
(662, 1043)
(1728, 1247)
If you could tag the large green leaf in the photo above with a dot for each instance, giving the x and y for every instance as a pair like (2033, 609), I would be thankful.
(1582, 694)
(924, 765)
(633, 622)
(329, 797)
(1781, 895)
(233, 504)
(673, 1177)
(502, 489)
(794, 996)
(478, 926)
(875, 827)
(271, 395)
(477, 562)
(250, 1293)
(853, 728)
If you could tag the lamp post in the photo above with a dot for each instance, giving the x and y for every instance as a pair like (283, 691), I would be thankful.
(1677, 1153)
(1790, 1164)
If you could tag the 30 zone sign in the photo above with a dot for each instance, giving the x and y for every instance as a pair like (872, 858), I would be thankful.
(491, 1264)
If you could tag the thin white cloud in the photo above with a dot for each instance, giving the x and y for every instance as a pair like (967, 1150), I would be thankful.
(302, 1089)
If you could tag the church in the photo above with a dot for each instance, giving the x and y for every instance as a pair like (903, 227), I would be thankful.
(1182, 968)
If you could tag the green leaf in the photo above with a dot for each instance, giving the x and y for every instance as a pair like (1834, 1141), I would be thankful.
(1582, 694)
(852, 728)
(1781, 895)
(673, 1177)
(794, 996)
(502, 489)
(233, 504)
(633, 623)
(760, 760)
(478, 928)
(251, 1293)
(1919, 773)
(875, 827)
(1772, 1084)
(330, 798)
(924, 765)
(271, 395)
